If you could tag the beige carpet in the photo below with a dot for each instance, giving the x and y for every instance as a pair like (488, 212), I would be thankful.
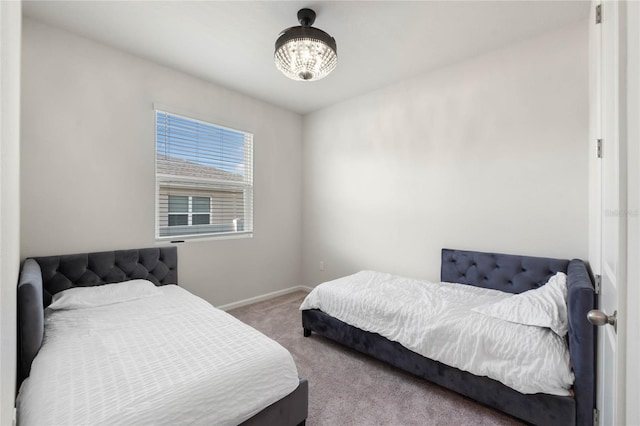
(349, 388)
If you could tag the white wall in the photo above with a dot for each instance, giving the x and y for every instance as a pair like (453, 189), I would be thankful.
(88, 163)
(489, 154)
(10, 22)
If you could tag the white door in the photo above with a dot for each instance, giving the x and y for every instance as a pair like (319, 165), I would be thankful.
(611, 265)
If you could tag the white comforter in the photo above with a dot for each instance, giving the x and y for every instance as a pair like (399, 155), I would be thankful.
(168, 359)
(435, 320)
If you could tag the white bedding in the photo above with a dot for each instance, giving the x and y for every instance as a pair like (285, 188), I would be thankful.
(435, 320)
(167, 359)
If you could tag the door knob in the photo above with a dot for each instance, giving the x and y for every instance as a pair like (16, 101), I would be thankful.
(596, 317)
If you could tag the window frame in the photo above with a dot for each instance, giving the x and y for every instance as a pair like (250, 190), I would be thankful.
(246, 188)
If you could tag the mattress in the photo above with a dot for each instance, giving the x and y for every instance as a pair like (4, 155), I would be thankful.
(167, 359)
(436, 321)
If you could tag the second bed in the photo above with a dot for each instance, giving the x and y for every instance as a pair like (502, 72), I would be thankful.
(514, 336)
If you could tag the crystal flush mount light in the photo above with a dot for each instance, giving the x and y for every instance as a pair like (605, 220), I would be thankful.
(305, 53)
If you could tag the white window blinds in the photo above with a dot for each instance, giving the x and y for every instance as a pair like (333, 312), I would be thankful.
(204, 179)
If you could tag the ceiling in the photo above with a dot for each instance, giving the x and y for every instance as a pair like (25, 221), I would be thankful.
(231, 43)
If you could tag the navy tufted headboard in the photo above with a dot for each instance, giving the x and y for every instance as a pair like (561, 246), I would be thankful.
(504, 272)
(158, 265)
(42, 277)
(516, 274)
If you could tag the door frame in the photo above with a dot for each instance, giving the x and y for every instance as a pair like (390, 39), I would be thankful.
(630, 18)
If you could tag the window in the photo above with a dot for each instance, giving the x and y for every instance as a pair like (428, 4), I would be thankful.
(185, 210)
(204, 179)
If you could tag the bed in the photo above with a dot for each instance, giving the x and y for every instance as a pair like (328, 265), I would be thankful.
(511, 274)
(183, 360)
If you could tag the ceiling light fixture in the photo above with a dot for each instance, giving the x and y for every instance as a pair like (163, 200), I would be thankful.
(305, 53)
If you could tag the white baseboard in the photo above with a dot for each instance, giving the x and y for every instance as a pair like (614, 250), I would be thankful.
(263, 297)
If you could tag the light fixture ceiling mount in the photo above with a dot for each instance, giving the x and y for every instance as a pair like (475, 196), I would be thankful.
(305, 53)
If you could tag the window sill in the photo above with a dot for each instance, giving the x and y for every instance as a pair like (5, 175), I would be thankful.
(196, 239)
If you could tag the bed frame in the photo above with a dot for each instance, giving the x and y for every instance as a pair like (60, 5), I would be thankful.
(513, 274)
(42, 277)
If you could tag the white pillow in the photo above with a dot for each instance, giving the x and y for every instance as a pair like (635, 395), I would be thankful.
(107, 294)
(545, 306)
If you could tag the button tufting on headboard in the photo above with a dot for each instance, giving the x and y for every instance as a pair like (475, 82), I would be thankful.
(514, 274)
(158, 265)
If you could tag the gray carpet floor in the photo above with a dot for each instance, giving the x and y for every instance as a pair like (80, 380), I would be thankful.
(349, 388)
